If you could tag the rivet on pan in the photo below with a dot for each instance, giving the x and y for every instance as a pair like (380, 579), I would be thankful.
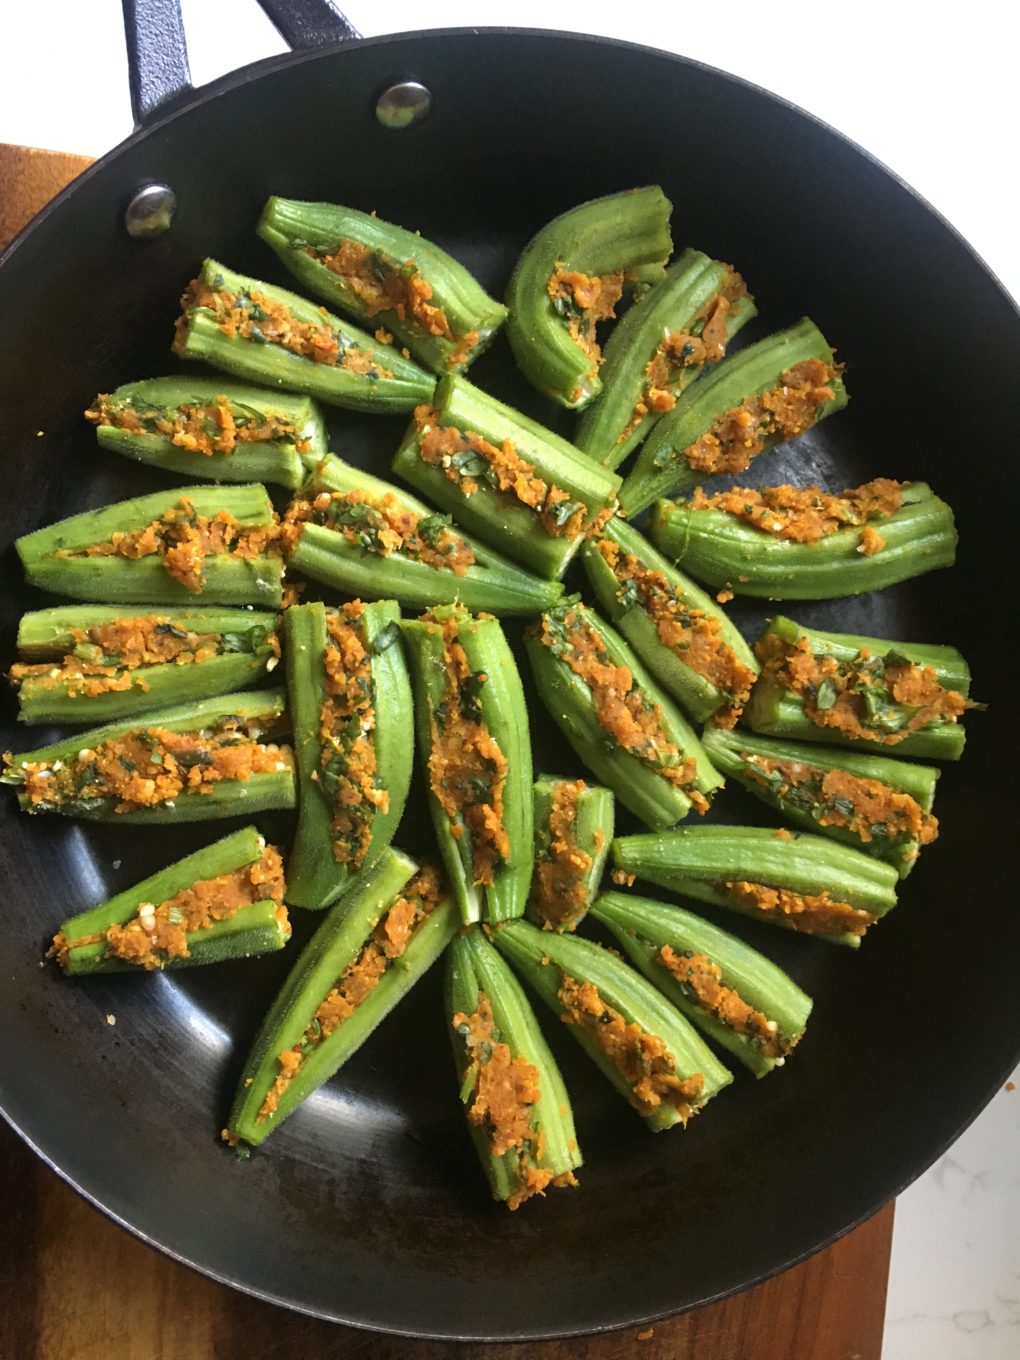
(150, 211)
(404, 104)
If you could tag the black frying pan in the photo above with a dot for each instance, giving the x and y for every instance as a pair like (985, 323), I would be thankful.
(367, 1207)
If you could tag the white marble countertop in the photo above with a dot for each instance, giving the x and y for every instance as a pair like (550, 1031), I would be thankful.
(930, 93)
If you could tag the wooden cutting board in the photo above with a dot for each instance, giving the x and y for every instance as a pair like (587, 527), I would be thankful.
(74, 1286)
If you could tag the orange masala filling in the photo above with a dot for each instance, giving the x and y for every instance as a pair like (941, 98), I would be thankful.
(642, 1059)
(808, 514)
(208, 428)
(809, 913)
(583, 300)
(559, 890)
(693, 635)
(702, 980)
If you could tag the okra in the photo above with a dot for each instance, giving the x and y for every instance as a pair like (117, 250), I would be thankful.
(270, 336)
(190, 763)
(83, 663)
(368, 538)
(803, 883)
(213, 542)
(736, 996)
(655, 1059)
(372, 946)
(617, 719)
(860, 691)
(475, 751)
(770, 392)
(573, 832)
(385, 276)
(571, 276)
(681, 634)
(203, 427)
(784, 543)
(876, 804)
(350, 699)
(517, 1106)
(518, 486)
(659, 347)
(223, 902)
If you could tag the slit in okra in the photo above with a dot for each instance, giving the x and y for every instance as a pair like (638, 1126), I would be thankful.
(573, 832)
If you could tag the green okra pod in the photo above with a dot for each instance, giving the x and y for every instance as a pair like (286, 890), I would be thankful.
(762, 542)
(475, 750)
(770, 392)
(373, 540)
(83, 663)
(681, 634)
(517, 1106)
(200, 544)
(736, 996)
(655, 1059)
(874, 803)
(569, 278)
(804, 883)
(270, 336)
(191, 763)
(385, 276)
(860, 691)
(518, 486)
(207, 427)
(372, 946)
(223, 902)
(659, 347)
(617, 719)
(350, 699)
(573, 833)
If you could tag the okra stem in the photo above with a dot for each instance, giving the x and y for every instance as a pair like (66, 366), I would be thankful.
(573, 832)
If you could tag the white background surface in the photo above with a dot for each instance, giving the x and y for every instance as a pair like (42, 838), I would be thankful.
(931, 91)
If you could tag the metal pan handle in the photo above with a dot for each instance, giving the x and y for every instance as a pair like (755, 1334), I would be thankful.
(157, 50)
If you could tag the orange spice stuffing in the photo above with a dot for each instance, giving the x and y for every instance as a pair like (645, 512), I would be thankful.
(692, 635)
(468, 460)
(623, 879)
(207, 428)
(786, 410)
(702, 980)
(642, 1059)
(559, 890)
(583, 300)
(384, 285)
(809, 913)
(808, 514)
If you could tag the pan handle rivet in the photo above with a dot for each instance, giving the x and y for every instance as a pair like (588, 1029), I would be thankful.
(404, 104)
(150, 211)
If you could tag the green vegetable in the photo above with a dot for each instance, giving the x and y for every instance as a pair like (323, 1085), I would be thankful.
(481, 988)
(343, 366)
(667, 321)
(255, 929)
(706, 959)
(305, 234)
(570, 849)
(710, 863)
(664, 466)
(665, 1050)
(614, 235)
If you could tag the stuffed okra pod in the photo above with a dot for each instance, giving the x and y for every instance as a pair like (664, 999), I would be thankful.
(206, 427)
(83, 663)
(373, 945)
(203, 544)
(475, 750)
(770, 392)
(223, 902)
(270, 336)
(350, 701)
(661, 345)
(860, 691)
(573, 832)
(804, 883)
(681, 634)
(517, 1106)
(570, 277)
(518, 486)
(874, 803)
(802, 543)
(191, 763)
(648, 1051)
(736, 996)
(370, 539)
(617, 719)
(385, 276)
